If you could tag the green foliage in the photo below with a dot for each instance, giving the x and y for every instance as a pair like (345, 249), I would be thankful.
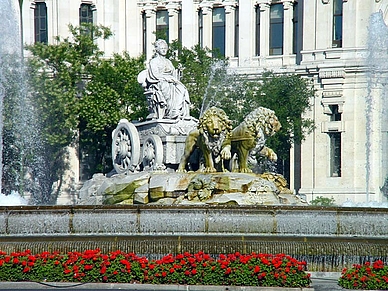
(323, 201)
(80, 96)
(289, 96)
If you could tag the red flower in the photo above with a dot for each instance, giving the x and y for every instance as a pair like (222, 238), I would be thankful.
(257, 269)
(172, 270)
(88, 267)
(194, 271)
(67, 271)
(187, 272)
(164, 274)
(26, 269)
(103, 270)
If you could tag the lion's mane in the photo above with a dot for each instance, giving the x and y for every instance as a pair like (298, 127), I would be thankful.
(262, 119)
(226, 124)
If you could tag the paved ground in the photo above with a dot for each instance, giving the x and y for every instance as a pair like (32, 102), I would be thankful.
(320, 282)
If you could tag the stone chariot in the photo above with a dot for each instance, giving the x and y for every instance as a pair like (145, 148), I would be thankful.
(150, 145)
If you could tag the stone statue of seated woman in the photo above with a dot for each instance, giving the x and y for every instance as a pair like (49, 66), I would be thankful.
(167, 97)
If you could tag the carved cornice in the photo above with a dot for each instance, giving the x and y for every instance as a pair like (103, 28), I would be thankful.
(332, 74)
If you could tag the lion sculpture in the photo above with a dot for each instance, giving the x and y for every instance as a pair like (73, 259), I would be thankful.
(250, 136)
(212, 138)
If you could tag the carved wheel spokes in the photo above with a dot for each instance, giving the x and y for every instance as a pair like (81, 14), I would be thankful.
(153, 153)
(125, 147)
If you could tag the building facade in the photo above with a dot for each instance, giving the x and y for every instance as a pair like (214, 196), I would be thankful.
(323, 40)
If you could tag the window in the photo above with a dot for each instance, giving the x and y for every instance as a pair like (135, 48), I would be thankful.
(335, 154)
(257, 30)
(337, 23)
(219, 30)
(40, 22)
(180, 26)
(335, 114)
(162, 25)
(200, 28)
(144, 20)
(295, 29)
(85, 13)
(276, 30)
(236, 32)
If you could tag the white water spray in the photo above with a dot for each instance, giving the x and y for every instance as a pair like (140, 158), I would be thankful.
(376, 104)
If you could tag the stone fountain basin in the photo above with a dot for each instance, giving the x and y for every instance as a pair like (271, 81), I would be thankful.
(328, 238)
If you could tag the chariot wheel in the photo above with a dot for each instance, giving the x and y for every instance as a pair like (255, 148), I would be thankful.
(125, 147)
(152, 152)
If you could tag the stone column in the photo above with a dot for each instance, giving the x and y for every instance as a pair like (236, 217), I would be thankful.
(264, 28)
(287, 27)
(173, 21)
(207, 23)
(150, 13)
(230, 17)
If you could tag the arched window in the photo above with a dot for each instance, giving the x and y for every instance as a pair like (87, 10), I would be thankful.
(276, 29)
(85, 13)
(40, 22)
(337, 23)
(219, 30)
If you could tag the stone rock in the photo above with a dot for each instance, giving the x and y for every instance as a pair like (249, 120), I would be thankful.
(172, 188)
(88, 193)
(122, 187)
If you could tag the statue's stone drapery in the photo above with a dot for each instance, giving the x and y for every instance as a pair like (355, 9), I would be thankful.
(167, 96)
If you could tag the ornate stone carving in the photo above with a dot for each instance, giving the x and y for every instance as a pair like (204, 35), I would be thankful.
(331, 74)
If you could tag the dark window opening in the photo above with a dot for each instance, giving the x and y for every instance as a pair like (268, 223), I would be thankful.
(335, 114)
(337, 23)
(200, 28)
(276, 29)
(219, 30)
(40, 22)
(144, 19)
(335, 154)
(295, 29)
(85, 13)
(257, 25)
(236, 32)
(162, 25)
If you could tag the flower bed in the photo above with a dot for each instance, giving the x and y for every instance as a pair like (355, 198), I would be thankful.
(369, 276)
(190, 269)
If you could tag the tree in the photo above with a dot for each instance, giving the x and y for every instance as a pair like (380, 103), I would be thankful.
(80, 96)
(288, 95)
(111, 93)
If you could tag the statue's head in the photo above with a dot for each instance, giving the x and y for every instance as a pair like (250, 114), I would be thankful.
(215, 121)
(161, 47)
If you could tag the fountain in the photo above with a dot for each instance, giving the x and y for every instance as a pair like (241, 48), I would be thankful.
(376, 99)
(327, 238)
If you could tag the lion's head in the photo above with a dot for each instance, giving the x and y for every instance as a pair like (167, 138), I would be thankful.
(214, 122)
(262, 119)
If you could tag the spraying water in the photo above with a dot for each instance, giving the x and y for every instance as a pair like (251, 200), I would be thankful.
(21, 165)
(9, 46)
(376, 104)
